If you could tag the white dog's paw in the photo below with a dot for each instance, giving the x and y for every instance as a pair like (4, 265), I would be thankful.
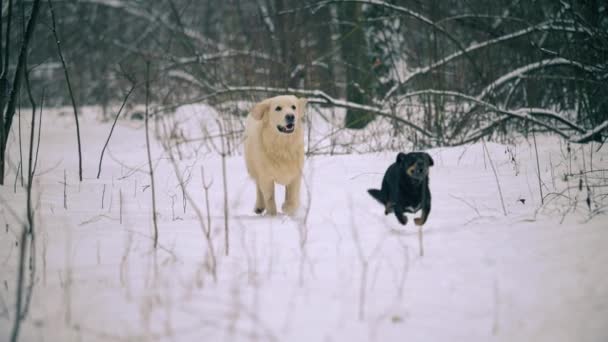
(289, 208)
(271, 209)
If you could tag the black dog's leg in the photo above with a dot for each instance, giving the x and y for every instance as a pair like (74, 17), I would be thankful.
(426, 208)
(388, 208)
(399, 214)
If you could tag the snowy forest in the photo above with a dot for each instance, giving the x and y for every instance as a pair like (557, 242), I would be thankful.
(127, 209)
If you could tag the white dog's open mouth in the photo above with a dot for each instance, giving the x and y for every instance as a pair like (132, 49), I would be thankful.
(287, 129)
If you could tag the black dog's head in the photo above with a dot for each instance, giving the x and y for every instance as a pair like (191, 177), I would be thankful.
(415, 164)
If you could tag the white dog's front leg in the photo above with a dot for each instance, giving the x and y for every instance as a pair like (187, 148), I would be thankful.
(267, 189)
(260, 206)
(292, 196)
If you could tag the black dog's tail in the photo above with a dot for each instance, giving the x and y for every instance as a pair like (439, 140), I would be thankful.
(377, 195)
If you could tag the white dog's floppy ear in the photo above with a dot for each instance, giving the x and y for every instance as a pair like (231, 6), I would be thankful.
(259, 109)
(302, 106)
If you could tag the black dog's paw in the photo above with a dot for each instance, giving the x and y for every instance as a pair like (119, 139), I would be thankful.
(388, 208)
(401, 218)
(258, 210)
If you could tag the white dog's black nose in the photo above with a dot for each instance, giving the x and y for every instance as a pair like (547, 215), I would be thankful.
(290, 118)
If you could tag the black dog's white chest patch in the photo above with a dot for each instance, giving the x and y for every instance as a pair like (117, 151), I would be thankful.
(412, 210)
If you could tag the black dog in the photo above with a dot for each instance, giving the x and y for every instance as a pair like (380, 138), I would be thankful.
(405, 187)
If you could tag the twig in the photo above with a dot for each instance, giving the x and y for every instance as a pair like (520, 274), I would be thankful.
(39, 134)
(197, 211)
(502, 201)
(206, 187)
(225, 184)
(540, 186)
(364, 265)
(112, 129)
(17, 176)
(30, 174)
(120, 203)
(150, 168)
(420, 244)
(20, 143)
(65, 192)
(103, 195)
(19, 294)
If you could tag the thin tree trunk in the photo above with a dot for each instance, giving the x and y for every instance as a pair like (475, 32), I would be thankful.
(112, 130)
(151, 168)
(67, 79)
(354, 54)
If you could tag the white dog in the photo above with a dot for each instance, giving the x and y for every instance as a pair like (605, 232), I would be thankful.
(274, 151)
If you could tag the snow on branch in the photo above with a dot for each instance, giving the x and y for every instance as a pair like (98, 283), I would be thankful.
(318, 97)
(489, 106)
(528, 114)
(530, 67)
(208, 57)
(552, 115)
(127, 6)
(186, 77)
(549, 26)
(592, 135)
(483, 131)
(154, 17)
(516, 74)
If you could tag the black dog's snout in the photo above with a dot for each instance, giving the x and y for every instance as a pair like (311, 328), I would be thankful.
(290, 118)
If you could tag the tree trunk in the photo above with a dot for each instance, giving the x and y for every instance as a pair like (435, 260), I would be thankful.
(358, 69)
(19, 72)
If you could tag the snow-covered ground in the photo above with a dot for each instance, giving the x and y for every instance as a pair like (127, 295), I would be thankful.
(342, 272)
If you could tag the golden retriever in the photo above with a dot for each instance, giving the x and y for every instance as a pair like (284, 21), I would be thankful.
(274, 151)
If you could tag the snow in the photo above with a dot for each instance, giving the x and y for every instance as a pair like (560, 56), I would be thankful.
(348, 273)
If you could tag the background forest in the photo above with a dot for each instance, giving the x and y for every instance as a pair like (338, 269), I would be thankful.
(126, 211)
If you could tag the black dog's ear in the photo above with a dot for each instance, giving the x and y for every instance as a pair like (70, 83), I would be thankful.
(429, 159)
(401, 157)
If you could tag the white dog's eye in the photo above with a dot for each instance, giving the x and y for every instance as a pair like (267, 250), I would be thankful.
(278, 109)
(293, 107)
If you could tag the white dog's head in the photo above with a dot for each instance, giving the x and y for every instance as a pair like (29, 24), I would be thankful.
(283, 113)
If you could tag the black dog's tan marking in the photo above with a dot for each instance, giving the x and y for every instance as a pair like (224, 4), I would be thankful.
(405, 187)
